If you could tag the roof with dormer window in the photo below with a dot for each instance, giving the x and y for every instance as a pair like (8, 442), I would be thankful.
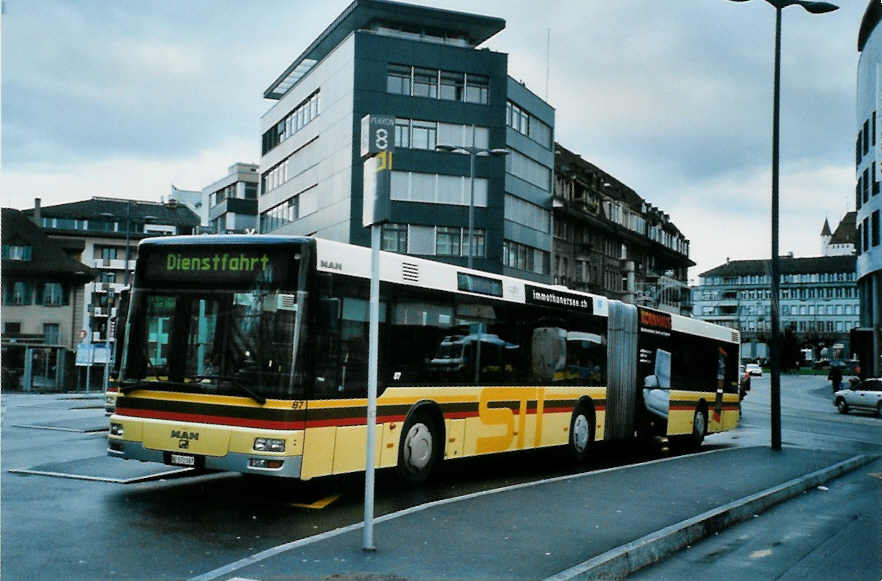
(48, 260)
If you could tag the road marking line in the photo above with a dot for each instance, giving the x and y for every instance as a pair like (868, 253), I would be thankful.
(876, 475)
(60, 429)
(318, 504)
(98, 478)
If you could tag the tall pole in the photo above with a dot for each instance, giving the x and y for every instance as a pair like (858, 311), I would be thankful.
(128, 228)
(373, 352)
(471, 200)
(775, 352)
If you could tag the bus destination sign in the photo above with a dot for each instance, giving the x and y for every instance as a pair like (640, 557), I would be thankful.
(554, 298)
(655, 322)
(225, 266)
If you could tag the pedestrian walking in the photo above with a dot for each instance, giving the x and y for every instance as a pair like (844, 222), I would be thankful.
(835, 376)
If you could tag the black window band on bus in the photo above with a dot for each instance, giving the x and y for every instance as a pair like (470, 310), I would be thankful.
(479, 284)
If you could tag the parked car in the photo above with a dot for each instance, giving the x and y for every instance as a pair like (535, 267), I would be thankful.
(861, 395)
(753, 369)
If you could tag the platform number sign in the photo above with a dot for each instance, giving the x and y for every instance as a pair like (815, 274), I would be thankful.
(377, 147)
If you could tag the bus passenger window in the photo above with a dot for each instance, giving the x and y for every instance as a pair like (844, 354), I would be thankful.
(586, 359)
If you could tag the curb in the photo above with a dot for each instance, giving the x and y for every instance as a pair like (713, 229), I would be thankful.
(619, 562)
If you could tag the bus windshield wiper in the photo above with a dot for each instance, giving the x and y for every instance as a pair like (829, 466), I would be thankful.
(130, 385)
(237, 384)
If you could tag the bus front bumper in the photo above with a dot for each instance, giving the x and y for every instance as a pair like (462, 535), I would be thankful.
(232, 461)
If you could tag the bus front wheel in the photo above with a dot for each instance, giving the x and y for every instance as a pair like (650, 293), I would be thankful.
(418, 451)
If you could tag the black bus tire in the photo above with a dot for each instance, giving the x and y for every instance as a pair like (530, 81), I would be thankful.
(699, 426)
(420, 447)
(581, 432)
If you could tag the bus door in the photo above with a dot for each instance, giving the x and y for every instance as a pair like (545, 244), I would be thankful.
(621, 393)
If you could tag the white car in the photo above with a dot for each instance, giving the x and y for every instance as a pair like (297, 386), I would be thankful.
(865, 395)
(753, 369)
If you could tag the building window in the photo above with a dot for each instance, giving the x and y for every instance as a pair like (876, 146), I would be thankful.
(398, 80)
(526, 124)
(18, 252)
(527, 214)
(866, 138)
(18, 293)
(292, 167)
(875, 228)
(526, 258)
(394, 238)
(425, 83)
(51, 333)
(280, 215)
(477, 89)
(52, 294)
(297, 119)
(521, 166)
(448, 241)
(434, 84)
(452, 85)
(437, 189)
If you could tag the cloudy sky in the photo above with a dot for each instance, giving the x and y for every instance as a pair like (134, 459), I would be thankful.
(673, 97)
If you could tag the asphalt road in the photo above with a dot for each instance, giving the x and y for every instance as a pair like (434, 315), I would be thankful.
(176, 527)
(833, 531)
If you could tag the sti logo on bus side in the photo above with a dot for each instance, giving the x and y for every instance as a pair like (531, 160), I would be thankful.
(331, 265)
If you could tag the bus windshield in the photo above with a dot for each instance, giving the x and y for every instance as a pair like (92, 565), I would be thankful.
(228, 342)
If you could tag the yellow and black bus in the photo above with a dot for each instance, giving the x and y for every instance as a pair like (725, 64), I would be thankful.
(250, 354)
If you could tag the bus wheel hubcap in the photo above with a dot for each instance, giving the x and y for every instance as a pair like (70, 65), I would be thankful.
(418, 446)
(699, 423)
(580, 433)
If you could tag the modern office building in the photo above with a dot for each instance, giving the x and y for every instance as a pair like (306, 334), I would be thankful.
(231, 201)
(609, 240)
(424, 67)
(42, 314)
(103, 233)
(818, 304)
(868, 202)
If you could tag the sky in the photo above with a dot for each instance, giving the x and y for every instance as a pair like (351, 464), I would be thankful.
(673, 98)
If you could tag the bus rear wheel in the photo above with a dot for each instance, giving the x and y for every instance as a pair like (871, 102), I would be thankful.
(581, 432)
(419, 448)
(699, 427)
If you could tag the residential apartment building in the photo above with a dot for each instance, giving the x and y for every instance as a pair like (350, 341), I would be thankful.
(818, 303)
(103, 233)
(868, 202)
(424, 67)
(231, 201)
(609, 240)
(42, 290)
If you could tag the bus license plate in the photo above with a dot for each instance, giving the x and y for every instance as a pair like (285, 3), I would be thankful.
(182, 460)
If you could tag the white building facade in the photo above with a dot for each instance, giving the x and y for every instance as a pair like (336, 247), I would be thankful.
(868, 202)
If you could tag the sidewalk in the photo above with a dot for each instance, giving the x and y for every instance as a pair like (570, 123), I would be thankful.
(602, 523)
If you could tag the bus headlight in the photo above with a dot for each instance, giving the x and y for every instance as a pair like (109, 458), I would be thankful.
(116, 429)
(269, 445)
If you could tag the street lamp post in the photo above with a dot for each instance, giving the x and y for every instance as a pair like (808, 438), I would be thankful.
(775, 363)
(472, 151)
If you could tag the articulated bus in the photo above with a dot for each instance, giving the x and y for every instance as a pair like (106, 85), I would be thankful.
(250, 354)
